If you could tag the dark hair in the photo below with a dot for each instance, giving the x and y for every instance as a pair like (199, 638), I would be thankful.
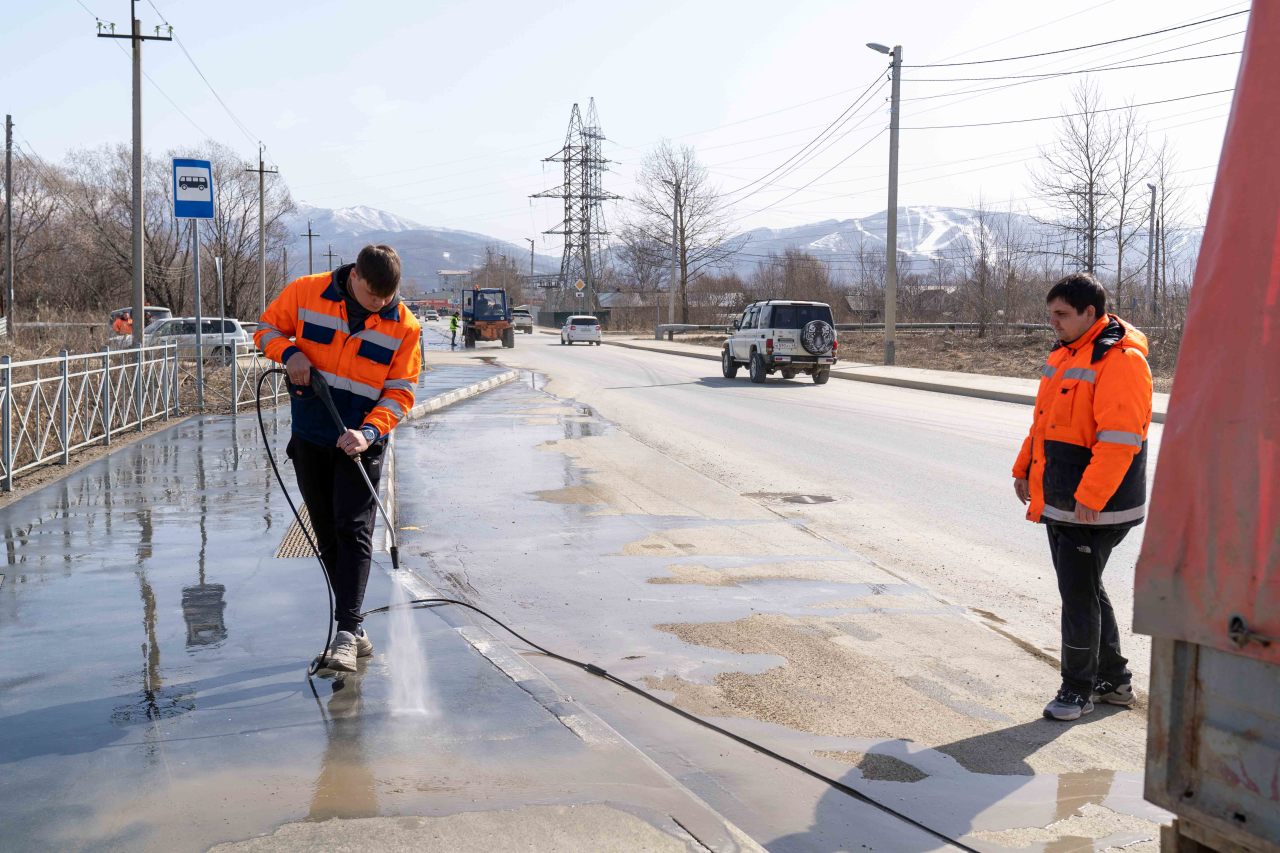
(1080, 290)
(379, 266)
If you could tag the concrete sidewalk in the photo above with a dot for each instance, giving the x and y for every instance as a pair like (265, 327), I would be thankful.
(1007, 389)
(154, 692)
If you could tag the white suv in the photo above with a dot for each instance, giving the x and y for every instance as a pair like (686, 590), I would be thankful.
(781, 335)
(580, 327)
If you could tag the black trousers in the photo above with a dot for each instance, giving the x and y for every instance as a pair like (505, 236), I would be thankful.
(342, 515)
(1090, 635)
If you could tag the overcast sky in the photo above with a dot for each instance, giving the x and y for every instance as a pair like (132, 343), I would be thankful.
(442, 112)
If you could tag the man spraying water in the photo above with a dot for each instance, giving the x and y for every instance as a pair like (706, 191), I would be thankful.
(350, 327)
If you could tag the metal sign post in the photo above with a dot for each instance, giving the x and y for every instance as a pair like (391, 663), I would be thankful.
(193, 199)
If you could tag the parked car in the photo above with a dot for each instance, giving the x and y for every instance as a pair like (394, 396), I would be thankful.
(522, 321)
(784, 336)
(151, 313)
(220, 336)
(580, 327)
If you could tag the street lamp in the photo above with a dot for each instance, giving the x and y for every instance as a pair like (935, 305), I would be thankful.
(891, 228)
(675, 262)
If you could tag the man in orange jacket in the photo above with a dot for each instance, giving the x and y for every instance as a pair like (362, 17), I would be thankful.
(1082, 472)
(350, 326)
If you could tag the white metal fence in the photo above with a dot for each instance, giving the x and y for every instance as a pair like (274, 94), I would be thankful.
(53, 407)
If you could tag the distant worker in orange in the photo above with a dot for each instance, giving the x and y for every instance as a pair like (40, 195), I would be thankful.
(1083, 471)
(123, 324)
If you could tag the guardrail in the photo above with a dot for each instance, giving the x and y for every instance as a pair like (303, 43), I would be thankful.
(670, 330)
(50, 407)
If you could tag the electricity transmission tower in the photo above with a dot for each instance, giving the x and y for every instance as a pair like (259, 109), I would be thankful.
(584, 195)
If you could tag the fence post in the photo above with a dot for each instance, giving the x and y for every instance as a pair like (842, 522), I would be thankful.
(235, 378)
(137, 386)
(106, 396)
(422, 351)
(6, 422)
(175, 388)
(66, 407)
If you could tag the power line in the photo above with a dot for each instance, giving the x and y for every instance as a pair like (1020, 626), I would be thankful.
(1052, 74)
(1067, 115)
(234, 118)
(1080, 47)
(839, 120)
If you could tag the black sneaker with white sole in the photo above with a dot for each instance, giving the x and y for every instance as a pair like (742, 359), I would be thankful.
(1068, 705)
(1113, 694)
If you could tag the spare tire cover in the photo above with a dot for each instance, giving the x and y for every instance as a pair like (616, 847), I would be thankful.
(817, 337)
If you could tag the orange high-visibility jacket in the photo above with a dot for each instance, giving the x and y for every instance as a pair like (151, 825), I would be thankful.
(371, 372)
(1088, 439)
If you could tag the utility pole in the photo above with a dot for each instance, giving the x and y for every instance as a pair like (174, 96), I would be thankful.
(675, 248)
(331, 255)
(284, 272)
(1151, 245)
(529, 240)
(262, 243)
(136, 38)
(891, 229)
(8, 222)
(309, 235)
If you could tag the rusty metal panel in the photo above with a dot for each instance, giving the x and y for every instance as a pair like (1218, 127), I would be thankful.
(1213, 748)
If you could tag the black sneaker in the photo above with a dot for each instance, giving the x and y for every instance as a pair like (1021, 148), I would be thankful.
(1113, 694)
(1068, 705)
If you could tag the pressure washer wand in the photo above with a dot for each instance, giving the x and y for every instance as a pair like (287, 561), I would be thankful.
(321, 386)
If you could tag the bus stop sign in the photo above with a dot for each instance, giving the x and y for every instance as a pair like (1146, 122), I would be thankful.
(192, 189)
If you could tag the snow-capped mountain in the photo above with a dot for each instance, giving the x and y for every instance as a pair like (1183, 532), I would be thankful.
(928, 233)
(423, 249)
(352, 220)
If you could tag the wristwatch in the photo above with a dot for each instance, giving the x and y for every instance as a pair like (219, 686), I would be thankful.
(370, 432)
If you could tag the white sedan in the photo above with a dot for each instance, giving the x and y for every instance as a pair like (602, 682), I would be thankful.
(580, 328)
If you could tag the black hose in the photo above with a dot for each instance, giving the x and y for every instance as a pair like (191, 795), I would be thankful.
(323, 658)
(593, 669)
(601, 672)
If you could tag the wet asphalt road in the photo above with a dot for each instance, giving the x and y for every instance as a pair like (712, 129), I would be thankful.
(153, 694)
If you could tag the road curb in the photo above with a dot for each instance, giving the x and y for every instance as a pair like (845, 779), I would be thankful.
(896, 381)
(441, 401)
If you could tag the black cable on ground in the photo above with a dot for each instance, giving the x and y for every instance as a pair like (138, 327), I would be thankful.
(601, 672)
(598, 671)
(323, 658)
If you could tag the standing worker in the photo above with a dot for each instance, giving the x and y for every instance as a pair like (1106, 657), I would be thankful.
(1083, 470)
(453, 331)
(349, 326)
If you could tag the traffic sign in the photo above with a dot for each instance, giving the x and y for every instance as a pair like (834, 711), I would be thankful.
(192, 189)
(579, 293)
(580, 284)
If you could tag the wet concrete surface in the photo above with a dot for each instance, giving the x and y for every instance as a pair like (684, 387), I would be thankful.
(610, 553)
(154, 695)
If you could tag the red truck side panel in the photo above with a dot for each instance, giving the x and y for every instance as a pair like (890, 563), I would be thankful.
(1212, 545)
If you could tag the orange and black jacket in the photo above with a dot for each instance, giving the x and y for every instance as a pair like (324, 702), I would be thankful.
(371, 365)
(1088, 439)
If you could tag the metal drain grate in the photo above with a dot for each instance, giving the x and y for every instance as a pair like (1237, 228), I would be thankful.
(295, 543)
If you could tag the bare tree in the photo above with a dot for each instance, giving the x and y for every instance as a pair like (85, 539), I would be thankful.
(36, 194)
(1076, 174)
(502, 271)
(672, 183)
(1131, 166)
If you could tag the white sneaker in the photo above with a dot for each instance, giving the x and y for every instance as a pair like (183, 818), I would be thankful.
(342, 654)
(364, 646)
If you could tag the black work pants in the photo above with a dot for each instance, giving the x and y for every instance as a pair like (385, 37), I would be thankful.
(1090, 635)
(342, 515)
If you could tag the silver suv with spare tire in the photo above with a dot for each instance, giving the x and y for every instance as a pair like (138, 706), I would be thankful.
(783, 336)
